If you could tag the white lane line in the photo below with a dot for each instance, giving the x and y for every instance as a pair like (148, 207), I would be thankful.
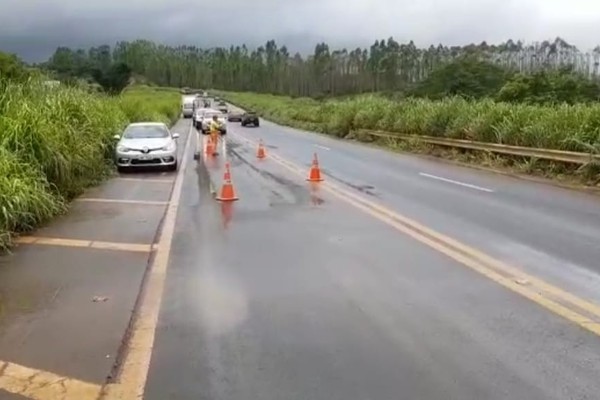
(322, 147)
(439, 178)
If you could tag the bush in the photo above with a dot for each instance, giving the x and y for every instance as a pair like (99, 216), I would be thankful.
(466, 77)
(57, 141)
(562, 127)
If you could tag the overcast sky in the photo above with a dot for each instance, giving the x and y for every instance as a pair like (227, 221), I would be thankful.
(34, 28)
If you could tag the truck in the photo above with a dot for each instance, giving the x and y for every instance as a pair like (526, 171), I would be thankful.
(187, 106)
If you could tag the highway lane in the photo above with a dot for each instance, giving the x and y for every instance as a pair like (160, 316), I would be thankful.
(291, 293)
(551, 232)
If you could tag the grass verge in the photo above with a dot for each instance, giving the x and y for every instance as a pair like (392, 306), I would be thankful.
(55, 142)
(573, 128)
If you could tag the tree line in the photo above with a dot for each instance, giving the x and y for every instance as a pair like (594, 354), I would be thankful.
(386, 66)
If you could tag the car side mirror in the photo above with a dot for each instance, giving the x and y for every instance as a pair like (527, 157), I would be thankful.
(176, 136)
(117, 137)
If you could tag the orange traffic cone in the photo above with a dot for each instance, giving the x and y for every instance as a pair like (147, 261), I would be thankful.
(227, 191)
(315, 171)
(261, 150)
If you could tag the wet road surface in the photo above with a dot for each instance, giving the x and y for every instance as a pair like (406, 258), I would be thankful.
(291, 293)
(307, 291)
(549, 231)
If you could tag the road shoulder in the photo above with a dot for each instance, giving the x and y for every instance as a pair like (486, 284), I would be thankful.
(68, 290)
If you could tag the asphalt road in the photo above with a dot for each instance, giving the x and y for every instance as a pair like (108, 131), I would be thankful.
(551, 232)
(292, 293)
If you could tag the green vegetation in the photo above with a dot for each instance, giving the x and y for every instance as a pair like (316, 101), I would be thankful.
(566, 127)
(387, 66)
(95, 66)
(467, 77)
(56, 141)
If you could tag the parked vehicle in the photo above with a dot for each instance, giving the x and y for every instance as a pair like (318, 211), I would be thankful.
(146, 144)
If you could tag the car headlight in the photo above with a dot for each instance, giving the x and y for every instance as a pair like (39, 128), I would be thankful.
(123, 149)
(169, 147)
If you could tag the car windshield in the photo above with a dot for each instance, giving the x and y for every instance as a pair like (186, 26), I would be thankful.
(146, 132)
(188, 105)
(211, 114)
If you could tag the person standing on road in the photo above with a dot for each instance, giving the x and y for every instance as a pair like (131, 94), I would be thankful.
(215, 130)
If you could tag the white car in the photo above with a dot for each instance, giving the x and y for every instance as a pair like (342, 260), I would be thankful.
(208, 116)
(146, 144)
(198, 116)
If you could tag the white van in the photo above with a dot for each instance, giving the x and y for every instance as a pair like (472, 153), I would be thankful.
(187, 106)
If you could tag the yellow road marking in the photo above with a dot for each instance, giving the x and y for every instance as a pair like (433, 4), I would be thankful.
(131, 380)
(141, 202)
(582, 312)
(94, 244)
(151, 180)
(41, 385)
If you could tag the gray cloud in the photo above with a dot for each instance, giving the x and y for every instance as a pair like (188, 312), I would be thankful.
(34, 28)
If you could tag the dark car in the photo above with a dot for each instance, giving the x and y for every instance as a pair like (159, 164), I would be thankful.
(250, 118)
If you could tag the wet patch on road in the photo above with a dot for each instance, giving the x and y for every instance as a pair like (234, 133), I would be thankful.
(363, 188)
(299, 192)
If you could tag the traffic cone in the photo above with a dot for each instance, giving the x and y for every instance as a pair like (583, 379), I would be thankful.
(261, 150)
(315, 171)
(227, 190)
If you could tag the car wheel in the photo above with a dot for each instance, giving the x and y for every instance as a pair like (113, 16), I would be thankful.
(257, 124)
(173, 167)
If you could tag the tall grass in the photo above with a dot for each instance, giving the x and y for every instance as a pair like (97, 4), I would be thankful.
(55, 142)
(575, 128)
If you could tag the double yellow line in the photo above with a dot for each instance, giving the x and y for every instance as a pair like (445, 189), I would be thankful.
(573, 308)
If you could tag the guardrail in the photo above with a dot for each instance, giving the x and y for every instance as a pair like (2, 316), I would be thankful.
(545, 154)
